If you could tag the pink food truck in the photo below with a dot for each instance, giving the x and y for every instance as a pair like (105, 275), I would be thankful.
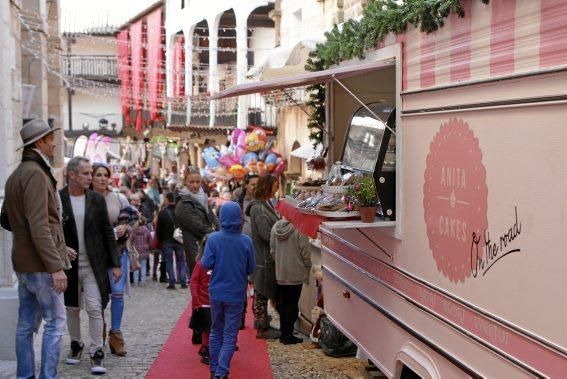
(464, 275)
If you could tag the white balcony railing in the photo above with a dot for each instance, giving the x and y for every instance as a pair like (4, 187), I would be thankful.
(103, 67)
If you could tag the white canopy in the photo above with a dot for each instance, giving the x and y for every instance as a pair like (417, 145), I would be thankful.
(304, 79)
(307, 151)
(287, 60)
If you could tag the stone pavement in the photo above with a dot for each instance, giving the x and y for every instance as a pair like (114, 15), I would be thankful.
(150, 314)
(306, 360)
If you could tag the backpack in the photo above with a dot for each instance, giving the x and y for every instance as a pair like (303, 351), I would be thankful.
(333, 342)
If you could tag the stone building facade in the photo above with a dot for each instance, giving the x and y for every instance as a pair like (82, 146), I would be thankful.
(31, 84)
(301, 18)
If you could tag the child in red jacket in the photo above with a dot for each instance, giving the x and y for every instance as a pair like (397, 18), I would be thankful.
(201, 317)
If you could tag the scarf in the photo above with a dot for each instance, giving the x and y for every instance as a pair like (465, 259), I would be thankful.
(200, 197)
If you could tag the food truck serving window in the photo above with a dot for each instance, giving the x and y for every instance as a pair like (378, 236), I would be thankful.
(368, 145)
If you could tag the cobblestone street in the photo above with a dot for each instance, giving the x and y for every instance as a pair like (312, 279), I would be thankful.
(150, 314)
(307, 361)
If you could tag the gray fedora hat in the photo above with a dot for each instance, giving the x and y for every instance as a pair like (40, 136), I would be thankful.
(35, 130)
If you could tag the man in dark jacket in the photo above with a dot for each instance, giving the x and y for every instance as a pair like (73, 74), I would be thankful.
(31, 210)
(166, 224)
(194, 214)
(87, 230)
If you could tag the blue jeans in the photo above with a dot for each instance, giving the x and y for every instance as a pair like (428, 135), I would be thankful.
(117, 290)
(39, 300)
(168, 250)
(140, 275)
(224, 330)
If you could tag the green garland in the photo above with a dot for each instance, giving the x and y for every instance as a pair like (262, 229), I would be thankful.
(380, 17)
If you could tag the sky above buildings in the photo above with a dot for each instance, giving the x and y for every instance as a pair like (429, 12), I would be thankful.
(79, 15)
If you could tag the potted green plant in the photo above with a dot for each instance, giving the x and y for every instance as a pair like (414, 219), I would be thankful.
(363, 194)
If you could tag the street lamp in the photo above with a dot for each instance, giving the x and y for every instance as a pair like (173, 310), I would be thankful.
(103, 124)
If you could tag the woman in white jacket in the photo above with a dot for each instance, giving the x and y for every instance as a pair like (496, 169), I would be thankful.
(290, 250)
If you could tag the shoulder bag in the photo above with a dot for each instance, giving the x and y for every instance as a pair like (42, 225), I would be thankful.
(177, 232)
(134, 257)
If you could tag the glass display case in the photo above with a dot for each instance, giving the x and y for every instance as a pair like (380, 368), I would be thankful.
(370, 148)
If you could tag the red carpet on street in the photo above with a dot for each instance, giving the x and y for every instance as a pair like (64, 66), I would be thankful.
(180, 359)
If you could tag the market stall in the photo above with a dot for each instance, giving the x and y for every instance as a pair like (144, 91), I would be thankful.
(364, 143)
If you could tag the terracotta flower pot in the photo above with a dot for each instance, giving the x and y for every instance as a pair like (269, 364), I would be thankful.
(367, 214)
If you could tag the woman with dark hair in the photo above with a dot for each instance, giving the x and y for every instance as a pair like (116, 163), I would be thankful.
(262, 217)
(114, 202)
(245, 197)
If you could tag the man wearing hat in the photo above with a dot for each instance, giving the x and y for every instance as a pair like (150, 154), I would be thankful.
(32, 211)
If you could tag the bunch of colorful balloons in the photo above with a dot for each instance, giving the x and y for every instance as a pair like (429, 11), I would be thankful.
(248, 152)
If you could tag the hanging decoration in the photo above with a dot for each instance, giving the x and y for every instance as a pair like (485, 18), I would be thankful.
(124, 74)
(137, 53)
(380, 17)
(155, 63)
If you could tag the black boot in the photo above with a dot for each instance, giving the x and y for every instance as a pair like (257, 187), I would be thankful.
(197, 337)
(205, 358)
(162, 272)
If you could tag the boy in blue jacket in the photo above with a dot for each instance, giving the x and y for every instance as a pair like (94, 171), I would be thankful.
(230, 255)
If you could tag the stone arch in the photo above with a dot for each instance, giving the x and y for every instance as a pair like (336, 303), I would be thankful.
(176, 69)
(199, 73)
(260, 39)
(226, 109)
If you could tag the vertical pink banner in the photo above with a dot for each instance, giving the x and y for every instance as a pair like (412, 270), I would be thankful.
(137, 53)
(155, 65)
(461, 44)
(427, 59)
(124, 74)
(553, 39)
(502, 37)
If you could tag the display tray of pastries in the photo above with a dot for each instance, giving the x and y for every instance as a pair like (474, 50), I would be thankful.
(326, 205)
(309, 185)
(307, 188)
(331, 214)
(291, 200)
(341, 184)
(333, 205)
(334, 189)
(307, 211)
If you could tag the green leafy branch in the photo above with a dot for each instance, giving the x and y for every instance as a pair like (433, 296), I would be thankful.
(380, 17)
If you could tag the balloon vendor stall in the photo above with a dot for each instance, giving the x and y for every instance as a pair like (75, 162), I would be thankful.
(247, 152)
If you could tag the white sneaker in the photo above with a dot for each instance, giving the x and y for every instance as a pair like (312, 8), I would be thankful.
(97, 367)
